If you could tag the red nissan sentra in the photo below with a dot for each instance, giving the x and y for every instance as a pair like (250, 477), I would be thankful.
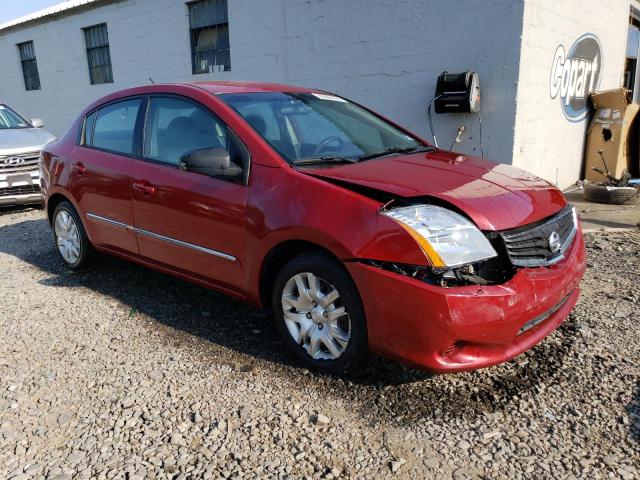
(354, 232)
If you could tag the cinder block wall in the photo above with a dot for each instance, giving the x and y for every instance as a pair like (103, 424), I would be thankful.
(383, 53)
(547, 143)
(387, 54)
(146, 39)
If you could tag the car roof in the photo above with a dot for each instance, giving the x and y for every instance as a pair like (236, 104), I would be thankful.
(247, 87)
(210, 87)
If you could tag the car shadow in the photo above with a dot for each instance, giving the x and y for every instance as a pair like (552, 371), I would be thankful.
(8, 209)
(633, 409)
(218, 319)
(175, 303)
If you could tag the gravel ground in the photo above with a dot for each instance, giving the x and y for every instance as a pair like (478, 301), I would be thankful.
(122, 372)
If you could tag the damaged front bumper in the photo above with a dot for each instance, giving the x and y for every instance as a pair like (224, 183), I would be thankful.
(468, 327)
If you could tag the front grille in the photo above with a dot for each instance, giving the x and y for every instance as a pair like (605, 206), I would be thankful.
(22, 190)
(23, 162)
(542, 243)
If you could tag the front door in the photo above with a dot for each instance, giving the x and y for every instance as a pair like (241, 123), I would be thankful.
(192, 222)
(100, 177)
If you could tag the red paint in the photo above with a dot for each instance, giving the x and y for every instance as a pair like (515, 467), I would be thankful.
(407, 319)
(416, 322)
(195, 209)
(79, 167)
(496, 197)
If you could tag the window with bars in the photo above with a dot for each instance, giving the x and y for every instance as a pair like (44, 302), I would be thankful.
(29, 65)
(209, 28)
(97, 41)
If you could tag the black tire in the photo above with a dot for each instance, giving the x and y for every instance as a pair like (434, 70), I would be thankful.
(334, 273)
(86, 249)
(597, 193)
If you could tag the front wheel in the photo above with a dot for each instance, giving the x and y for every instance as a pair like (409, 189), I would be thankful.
(318, 313)
(70, 237)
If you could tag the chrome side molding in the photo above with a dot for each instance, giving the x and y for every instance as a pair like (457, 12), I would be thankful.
(157, 236)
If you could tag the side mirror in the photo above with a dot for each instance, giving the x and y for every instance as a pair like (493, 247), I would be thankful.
(37, 122)
(215, 162)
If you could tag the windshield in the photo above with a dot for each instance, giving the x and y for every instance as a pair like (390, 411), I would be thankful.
(10, 119)
(318, 126)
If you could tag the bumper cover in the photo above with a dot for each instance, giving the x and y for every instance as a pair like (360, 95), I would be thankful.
(465, 328)
(27, 199)
(20, 188)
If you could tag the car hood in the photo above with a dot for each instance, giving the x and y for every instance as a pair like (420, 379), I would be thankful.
(494, 196)
(23, 140)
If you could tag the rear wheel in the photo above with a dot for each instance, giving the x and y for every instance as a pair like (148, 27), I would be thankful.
(71, 239)
(318, 313)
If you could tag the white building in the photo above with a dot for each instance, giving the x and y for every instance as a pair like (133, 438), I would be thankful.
(536, 60)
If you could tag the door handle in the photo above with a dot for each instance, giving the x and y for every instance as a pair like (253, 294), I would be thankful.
(144, 186)
(79, 167)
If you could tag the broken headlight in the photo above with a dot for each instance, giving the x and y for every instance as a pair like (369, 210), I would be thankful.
(447, 238)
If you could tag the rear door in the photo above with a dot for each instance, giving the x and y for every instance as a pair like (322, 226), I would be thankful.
(101, 173)
(190, 221)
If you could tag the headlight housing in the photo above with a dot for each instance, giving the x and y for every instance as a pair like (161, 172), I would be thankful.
(446, 238)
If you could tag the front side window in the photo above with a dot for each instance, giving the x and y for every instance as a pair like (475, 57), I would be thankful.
(98, 56)
(29, 65)
(11, 119)
(113, 126)
(302, 126)
(177, 127)
(209, 28)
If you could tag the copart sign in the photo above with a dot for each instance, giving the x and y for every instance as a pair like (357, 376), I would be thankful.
(574, 74)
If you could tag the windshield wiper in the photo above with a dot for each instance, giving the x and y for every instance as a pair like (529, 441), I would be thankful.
(392, 150)
(320, 160)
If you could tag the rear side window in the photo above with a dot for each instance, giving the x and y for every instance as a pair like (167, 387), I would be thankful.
(88, 128)
(114, 126)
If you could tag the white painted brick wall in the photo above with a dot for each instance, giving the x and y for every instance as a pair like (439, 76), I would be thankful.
(546, 143)
(383, 53)
(387, 54)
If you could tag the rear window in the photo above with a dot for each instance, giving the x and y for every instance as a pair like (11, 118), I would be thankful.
(112, 127)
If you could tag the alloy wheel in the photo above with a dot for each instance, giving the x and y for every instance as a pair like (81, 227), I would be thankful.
(316, 317)
(67, 237)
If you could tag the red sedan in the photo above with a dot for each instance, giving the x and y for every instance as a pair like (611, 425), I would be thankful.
(354, 232)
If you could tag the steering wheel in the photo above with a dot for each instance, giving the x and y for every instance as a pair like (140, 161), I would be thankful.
(327, 141)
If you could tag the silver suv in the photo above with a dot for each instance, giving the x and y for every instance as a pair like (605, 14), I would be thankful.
(20, 143)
